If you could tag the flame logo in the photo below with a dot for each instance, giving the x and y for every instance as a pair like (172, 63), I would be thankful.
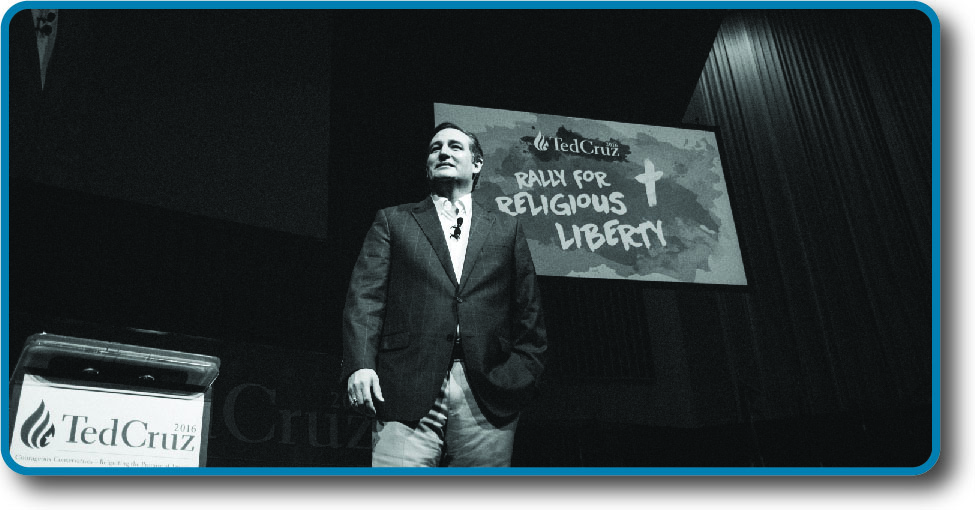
(540, 142)
(37, 429)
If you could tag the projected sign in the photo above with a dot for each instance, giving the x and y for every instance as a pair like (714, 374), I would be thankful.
(602, 199)
(67, 425)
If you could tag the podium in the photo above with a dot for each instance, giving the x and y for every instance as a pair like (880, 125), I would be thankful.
(89, 403)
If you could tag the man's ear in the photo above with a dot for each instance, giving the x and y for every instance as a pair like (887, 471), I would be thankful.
(477, 166)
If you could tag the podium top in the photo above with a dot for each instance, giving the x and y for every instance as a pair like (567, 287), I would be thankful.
(97, 361)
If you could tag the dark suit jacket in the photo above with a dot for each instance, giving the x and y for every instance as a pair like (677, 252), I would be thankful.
(404, 305)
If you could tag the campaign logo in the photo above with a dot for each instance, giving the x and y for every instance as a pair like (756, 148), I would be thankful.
(37, 430)
(568, 143)
(539, 142)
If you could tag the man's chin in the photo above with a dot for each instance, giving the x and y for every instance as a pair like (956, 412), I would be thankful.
(441, 178)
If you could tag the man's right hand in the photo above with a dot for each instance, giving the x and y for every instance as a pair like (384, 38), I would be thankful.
(363, 386)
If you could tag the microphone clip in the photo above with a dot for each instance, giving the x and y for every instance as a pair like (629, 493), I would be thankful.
(456, 232)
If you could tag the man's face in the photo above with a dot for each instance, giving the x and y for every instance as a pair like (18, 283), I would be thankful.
(450, 157)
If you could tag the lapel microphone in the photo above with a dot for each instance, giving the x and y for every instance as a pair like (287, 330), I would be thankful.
(456, 233)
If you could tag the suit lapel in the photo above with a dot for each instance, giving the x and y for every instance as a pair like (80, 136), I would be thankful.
(481, 224)
(426, 216)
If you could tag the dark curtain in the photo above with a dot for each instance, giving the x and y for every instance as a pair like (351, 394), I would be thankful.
(825, 119)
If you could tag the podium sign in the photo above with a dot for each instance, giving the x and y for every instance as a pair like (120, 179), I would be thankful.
(69, 425)
(87, 403)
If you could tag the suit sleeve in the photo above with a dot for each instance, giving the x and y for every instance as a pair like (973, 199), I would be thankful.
(365, 303)
(523, 369)
(530, 339)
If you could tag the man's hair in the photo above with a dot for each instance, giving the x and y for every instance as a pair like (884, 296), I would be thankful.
(475, 145)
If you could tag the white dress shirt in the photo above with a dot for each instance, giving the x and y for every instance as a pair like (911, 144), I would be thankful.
(448, 213)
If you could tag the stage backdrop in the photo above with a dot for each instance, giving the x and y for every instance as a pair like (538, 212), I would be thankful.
(602, 199)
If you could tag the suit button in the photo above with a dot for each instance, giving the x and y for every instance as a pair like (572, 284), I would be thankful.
(459, 299)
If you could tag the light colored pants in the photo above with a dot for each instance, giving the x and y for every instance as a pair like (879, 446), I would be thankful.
(455, 433)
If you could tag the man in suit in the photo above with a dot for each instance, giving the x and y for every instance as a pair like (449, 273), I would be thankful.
(443, 330)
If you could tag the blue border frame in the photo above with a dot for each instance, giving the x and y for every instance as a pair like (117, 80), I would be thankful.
(595, 471)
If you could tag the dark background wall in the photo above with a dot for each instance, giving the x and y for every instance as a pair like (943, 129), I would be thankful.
(216, 113)
(211, 177)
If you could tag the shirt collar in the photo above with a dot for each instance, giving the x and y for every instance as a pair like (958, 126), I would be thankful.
(464, 203)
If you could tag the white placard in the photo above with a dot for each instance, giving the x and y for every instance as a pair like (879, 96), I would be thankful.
(68, 425)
